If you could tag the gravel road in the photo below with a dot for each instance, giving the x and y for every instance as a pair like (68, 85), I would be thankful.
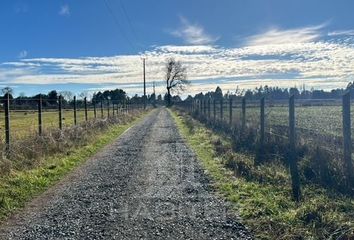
(146, 185)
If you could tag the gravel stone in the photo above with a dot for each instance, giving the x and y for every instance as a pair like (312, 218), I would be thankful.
(146, 185)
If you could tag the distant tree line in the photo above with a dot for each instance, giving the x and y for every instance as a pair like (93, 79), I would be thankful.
(51, 98)
(276, 93)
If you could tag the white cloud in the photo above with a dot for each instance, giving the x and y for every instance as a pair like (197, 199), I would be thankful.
(275, 36)
(318, 64)
(193, 33)
(64, 10)
(23, 54)
(186, 49)
(342, 33)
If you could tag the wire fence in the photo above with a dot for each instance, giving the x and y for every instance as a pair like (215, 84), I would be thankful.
(24, 118)
(316, 128)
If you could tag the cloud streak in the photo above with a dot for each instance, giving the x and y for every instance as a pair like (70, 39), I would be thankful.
(342, 33)
(275, 36)
(193, 33)
(316, 63)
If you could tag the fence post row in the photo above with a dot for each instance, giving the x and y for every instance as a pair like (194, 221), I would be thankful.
(197, 105)
(85, 104)
(75, 120)
(347, 142)
(7, 122)
(295, 179)
(40, 115)
(60, 113)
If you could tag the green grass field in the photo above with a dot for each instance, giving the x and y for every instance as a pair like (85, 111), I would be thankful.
(325, 120)
(25, 123)
(320, 119)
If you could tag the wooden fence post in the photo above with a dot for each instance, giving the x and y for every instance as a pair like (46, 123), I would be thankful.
(60, 113)
(75, 119)
(40, 115)
(127, 106)
(94, 108)
(113, 113)
(101, 108)
(214, 109)
(243, 113)
(262, 122)
(209, 112)
(200, 107)
(108, 108)
(295, 178)
(7, 122)
(347, 140)
(230, 111)
(85, 105)
(222, 109)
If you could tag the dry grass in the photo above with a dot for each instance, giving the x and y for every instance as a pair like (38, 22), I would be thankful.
(262, 194)
(25, 123)
(30, 149)
(36, 163)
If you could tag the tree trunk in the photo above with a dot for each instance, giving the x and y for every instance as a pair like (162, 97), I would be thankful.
(168, 97)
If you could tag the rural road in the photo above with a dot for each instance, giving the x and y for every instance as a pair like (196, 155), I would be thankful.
(146, 185)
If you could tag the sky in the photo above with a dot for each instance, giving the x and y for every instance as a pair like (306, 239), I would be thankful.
(92, 45)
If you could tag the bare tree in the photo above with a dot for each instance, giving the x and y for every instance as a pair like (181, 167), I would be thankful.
(7, 90)
(176, 78)
(67, 95)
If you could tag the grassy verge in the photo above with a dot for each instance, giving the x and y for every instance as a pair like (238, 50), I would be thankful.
(20, 186)
(262, 194)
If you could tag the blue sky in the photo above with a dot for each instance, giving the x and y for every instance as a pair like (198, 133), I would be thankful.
(88, 45)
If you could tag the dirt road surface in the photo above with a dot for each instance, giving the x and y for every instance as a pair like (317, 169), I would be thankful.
(146, 185)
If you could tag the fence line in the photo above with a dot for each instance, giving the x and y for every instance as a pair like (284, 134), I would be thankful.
(203, 110)
(36, 106)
